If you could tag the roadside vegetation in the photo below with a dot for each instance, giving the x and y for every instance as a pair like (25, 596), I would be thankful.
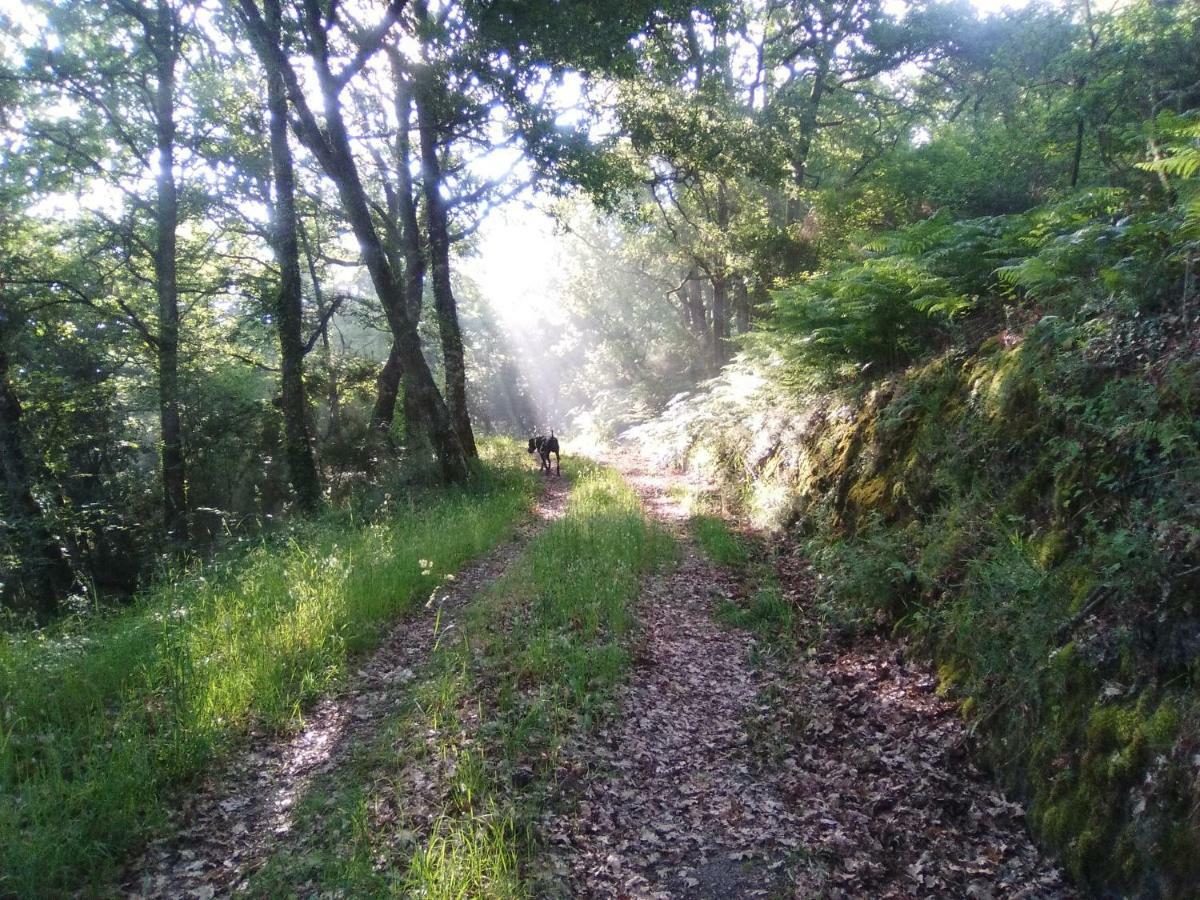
(916, 283)
(103, 720)
(444, 801)
(1004, 467)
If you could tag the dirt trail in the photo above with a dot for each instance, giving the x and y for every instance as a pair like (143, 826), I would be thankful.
(842, 775)
(227, 827)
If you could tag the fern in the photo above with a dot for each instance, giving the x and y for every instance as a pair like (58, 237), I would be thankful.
(1080, 255)
(1181, 138)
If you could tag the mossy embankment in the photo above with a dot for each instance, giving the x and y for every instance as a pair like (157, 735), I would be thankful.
(1027, 509)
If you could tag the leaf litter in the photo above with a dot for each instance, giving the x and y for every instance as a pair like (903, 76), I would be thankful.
(842, 774)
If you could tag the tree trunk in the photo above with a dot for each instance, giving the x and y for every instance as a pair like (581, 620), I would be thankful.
(420, 388)
(697, 315)
(1081, 83)
(330, 144)
(808, 130)
(166, 51)
(720, 314)
(794, 257)
(387, 390)
(1078, 156)
(419, 383)
(332, 397)
(741, 305)
(407, 234)
(406, 202)
(46, 570)
(289, 307)
(760, 299)
(439, 253)
(722, 349)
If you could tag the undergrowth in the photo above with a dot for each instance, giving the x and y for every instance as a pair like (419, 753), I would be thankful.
(719, 542)
(101, 721)
(1004, 467)
(534, 662)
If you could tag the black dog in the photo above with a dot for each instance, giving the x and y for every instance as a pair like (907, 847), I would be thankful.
(544, 447)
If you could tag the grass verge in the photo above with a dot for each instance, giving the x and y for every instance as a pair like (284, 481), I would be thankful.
(764, 610)
(100, 722)
(443, 802)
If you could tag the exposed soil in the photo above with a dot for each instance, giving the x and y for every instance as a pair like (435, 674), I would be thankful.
(224, 829)
(840, 774)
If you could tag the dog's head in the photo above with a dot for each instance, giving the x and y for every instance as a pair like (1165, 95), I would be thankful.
(533, 443)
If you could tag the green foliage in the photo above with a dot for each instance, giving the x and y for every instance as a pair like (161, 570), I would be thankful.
(101, 723)
(767, 612)
(1181, 160)
(883, 311)
(903, 294)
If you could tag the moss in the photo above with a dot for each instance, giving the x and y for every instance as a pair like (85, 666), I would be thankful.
(950, 674)
(1162, 728)
(870, 494)
(1085, 810)
(1052, 547)
(1065, 658)
(1110, 726)
(1080, 580)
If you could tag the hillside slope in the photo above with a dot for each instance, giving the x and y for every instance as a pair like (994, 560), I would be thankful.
(1018, 489)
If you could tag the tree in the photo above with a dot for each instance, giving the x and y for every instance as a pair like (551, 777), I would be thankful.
(331, 146)
(130, 109)
(438, 226)
(289, 306)
(44, 572)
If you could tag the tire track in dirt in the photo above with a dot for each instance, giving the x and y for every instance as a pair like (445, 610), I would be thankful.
(227, 827)
(841, 775)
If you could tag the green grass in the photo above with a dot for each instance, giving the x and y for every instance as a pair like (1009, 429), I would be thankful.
(719, 542)
(101, 721)
(535, 661)
(765, 611)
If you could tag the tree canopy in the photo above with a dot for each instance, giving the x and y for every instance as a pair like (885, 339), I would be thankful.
(233, 232)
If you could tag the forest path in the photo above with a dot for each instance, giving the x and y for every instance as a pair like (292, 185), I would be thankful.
(736, 772)
(228, 826)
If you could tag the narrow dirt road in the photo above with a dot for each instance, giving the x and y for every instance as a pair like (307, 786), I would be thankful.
(840, 775)
(227, 827)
